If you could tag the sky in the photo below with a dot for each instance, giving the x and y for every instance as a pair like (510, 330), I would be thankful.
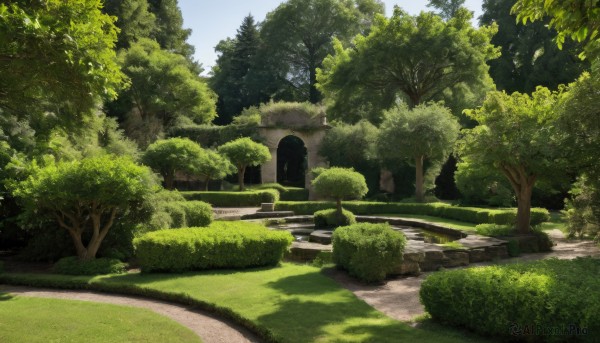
(214, 20)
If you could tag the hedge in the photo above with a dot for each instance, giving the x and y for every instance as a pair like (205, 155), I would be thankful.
(221, 245)
(285, 193)
(438, 209)
(234, 199)
(329, 219)
(189, 213)
(99, 266)
(550, 300)
(368, 251)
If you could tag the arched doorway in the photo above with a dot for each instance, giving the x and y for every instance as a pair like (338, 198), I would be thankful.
(291, 161)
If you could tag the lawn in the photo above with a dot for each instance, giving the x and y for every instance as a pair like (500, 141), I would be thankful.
(453, 224)
(290, 303)
(24, 319)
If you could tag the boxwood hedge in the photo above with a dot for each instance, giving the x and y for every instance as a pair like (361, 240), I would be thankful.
(550, 300)
(220, 245)
(234, 199)
(437, 209)
(368, 251)
(189, 213)
(329, 219)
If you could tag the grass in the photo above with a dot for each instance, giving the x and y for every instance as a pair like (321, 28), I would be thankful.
(24, 319)
(289, 303)
(557, 221)
(453, 224)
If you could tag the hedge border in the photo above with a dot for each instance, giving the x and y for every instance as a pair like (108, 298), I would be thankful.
(234, 199)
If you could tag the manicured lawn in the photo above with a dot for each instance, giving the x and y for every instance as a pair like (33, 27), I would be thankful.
(453, 224)
(290, 303)
(24, 319)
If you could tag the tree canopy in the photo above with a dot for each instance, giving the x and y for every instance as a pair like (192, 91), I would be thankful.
(417, 58)
(339, 184)
(213, 166)
(244, 152)
(424, 134)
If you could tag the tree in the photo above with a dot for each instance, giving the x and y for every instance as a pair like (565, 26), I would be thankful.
(298, 36)
(447, 8)
(169, 31)
(134, 20)
(213, 166)
(162, 88)
(228, 80)
(417, 58)
(340, 184)
(56, 58)
(517, 134)
(89, 194)
(530, 57)
(244, 152)
(424, 134)
(171, 155)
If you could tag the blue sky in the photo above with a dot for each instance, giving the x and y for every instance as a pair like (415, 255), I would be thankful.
(213, 20)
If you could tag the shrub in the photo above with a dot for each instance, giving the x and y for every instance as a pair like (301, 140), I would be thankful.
(74, 266)
(221, 245)
(331, 219)
(197, 213)
(368, 251)
(285, 193)
(234, 199)
(177, 214)
(550, 294)
(494, 230)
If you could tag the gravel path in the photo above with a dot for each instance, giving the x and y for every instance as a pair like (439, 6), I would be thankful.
(208, 327)
(399, 298)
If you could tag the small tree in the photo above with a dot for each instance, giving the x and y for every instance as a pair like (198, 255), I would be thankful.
(517, 134)
(244, 152)
(170, 155)
(214, 166)
(86, 194)
(340, 184)
(425, 133)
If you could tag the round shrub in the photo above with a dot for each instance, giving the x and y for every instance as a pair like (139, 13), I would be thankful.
(74, 266)
(331, 219)
(177, 213)
(368, 251)
(197, 213)
(558, 295)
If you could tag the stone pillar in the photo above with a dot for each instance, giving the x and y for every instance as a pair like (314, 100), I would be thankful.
(314, 159)
(268, 171)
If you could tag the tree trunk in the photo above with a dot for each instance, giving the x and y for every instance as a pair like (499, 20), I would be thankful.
(169, 180)
(79, 247)
(522, 184)
(339, 213)
(419, 190)
(99, 233)
(241, 172)
(206, 184)
(314, 96)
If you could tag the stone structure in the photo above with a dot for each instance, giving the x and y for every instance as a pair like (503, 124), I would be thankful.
(311, 130)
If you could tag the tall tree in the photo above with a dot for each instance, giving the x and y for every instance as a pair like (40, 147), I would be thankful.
(447, 8)
(519, 135)
(169, 32)
(299, 33)
(134, 20)
(424, 135)
(237, 58)
(417, 58)
(530, 57)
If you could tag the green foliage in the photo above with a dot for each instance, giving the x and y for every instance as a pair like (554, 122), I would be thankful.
(423, 134)
(447, 8)
(331, 219)
(213, 166)
(419, 58)
(551, 294)
(64, 76)
(212, 135)
(340, 183)
(442, 210)
(134, 20)
(74, 266)
(494, 230)
(221, 245)
(244, 152)
(274, 109)
(368, 251)
(197, 213)
(171, 155)
(177, 214)
(583, 210)
(234, 199)
(162, 88)
(169, 31)
(90, 193)
(480, 184)
(285, 193)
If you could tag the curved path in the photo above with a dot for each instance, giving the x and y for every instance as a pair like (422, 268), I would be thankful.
(208, 327)
(399, 298)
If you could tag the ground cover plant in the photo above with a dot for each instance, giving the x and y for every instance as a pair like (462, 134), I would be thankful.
(37, 320)
(560, 297)
(220, 245)
(289, 303)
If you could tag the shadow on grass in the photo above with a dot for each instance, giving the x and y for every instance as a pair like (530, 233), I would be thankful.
(5, 296)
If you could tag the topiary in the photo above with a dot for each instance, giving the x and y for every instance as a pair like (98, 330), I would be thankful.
(330, 219)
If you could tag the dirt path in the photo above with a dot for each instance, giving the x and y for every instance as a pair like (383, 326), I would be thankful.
(399, 298)
(208, 327)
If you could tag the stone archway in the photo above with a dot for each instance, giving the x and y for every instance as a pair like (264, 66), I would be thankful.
(311, 130)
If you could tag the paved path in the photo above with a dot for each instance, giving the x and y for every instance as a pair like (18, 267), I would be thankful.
(208, 327)
(233, 213)
(399, 298)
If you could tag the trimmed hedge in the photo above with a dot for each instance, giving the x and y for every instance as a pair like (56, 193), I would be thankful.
(552, 298)
(437, 209)
(329, 219)
(234, 199)
(285, 193)
(74, 266)
(221, 245)
(189, 213)
(368, 251)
